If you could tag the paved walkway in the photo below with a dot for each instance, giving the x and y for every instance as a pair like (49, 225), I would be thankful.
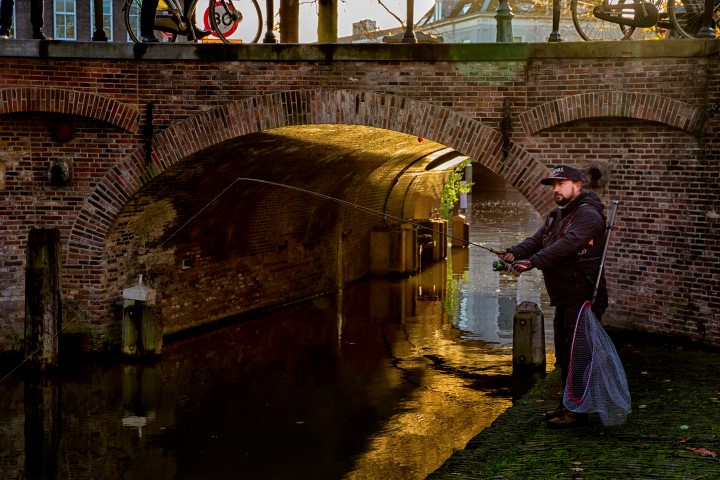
(673, 431)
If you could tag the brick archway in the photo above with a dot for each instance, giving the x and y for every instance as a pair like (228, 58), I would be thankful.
(310, 107)
(69, 102)
(641, 106)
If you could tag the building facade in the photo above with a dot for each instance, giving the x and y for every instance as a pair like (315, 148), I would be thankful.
(473, 21)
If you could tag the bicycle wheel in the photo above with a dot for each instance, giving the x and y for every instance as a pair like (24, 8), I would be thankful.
(235, 20)
(589, 27)
(687, 16)
(131, 11)
(663, 28)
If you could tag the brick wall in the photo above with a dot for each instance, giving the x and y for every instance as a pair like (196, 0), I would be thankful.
(638, 110)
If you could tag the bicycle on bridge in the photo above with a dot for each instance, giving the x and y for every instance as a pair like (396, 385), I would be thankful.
(229, 20)
(618, 19)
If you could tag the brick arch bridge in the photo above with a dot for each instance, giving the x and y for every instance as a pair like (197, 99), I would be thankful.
(517, 115)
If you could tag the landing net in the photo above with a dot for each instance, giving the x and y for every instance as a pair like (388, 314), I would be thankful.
(596, 381)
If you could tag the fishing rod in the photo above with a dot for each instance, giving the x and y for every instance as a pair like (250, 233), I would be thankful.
(365, 209)
(610, 227)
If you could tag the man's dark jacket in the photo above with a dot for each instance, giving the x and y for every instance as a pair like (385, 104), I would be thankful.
(568, 249)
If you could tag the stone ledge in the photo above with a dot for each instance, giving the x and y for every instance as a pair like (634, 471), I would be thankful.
(328, 53)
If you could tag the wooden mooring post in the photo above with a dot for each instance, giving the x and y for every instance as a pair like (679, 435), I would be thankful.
(528, 337)
(43, 304)
(141, 330)
(43, 317)
(394, 250)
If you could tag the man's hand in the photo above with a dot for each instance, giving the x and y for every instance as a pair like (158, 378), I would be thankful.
(519, 267)
(507, 256)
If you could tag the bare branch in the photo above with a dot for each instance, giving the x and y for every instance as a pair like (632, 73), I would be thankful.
(391, 13)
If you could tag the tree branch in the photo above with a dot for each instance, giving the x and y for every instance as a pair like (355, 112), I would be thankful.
(391, 13)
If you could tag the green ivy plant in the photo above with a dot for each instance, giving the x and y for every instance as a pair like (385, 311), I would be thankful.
(452, 191)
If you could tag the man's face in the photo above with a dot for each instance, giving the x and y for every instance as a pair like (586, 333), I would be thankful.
(565, 191)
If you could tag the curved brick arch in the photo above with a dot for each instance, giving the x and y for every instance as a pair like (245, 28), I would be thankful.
(69, 102)
(480, 142)
(643, 106)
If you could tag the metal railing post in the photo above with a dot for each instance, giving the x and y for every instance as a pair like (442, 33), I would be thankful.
(99, 33)
(409, 36)
(555, 34)
(708, 28)
(503, 17)
(269, 34)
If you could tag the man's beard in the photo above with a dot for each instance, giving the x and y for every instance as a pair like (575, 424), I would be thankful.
(561, 201)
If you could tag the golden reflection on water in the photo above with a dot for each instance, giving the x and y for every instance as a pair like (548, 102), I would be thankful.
(454, 340)
(386, 386)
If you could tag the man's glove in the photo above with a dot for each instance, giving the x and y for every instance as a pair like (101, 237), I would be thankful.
(507, 255)
(519, 267)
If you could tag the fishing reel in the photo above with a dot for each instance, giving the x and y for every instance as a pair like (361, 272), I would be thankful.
(518, 267)
(499, 266)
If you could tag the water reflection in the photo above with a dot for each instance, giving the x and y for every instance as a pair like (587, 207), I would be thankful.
(498, 219)
(384, 381)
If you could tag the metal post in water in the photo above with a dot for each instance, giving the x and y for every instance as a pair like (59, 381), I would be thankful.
(43, 304)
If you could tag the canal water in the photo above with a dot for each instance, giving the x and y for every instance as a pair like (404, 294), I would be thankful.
(382, 381)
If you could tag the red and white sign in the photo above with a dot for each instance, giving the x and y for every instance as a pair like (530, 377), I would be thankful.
(224, 21)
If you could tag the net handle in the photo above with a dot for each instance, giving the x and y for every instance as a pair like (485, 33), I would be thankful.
(610, 227)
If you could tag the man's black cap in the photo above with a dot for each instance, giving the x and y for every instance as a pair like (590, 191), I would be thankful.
(563, 172)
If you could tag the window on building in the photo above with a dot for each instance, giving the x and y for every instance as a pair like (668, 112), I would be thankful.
(107, 18)
(444, 8)
(65, 20)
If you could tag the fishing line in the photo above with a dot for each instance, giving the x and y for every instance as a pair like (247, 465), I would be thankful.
(365, 209)
(32, 354)
(198, 213)
(289, 187)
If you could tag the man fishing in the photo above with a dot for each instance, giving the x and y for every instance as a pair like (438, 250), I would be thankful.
(568, 250)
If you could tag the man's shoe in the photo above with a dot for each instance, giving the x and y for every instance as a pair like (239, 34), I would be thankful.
(201, 33)
(149, 39)
(569, 420)
(4, 34)
(41, 36)
(558, 412)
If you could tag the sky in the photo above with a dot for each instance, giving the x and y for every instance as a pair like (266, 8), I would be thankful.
(351, 11)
